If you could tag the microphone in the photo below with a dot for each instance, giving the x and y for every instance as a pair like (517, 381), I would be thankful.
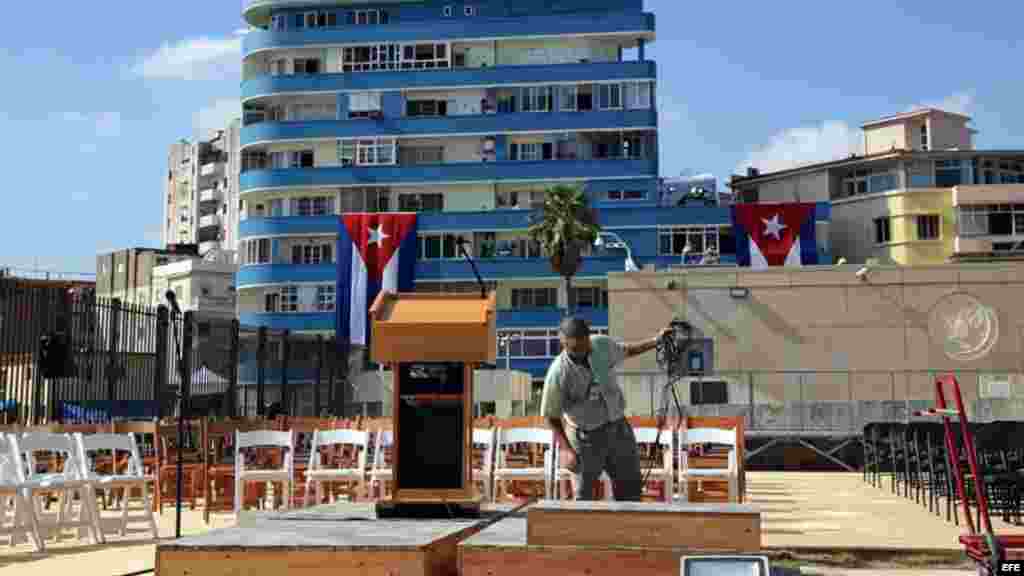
(172, 299)
(461, 243)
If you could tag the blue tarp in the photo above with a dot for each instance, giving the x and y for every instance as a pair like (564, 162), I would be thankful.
(105, 411)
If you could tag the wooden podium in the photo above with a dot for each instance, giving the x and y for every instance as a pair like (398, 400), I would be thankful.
(432, 343)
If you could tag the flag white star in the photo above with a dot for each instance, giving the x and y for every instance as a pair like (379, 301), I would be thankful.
(773, 227)
(377, 235)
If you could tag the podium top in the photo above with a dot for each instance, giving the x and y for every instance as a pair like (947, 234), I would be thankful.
(409, 309)
(416, 327)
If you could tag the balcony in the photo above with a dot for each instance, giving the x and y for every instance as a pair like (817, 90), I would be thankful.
(212, 169)
(482, 125)
(634, 24)
(447, 78)
(453, 270)
(495, 220)
(535, 318)
(210, 195)
(435, 174)
(209, 221)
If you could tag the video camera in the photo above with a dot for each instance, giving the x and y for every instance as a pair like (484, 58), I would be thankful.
(673, 348)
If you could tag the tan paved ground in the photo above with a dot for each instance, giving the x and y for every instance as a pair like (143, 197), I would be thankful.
(801, 509)
(841, 510)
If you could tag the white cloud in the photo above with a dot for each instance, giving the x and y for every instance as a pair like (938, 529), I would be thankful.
(807, 145)
(89, 129)
(216, 116)
(959, 103)
(193, 59)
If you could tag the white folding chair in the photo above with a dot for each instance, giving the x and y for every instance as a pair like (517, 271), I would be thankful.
(70, 481)
(134, 476)
(12, 489)
(701, 436)
(665, 472)
(264, 439)
(503, 473)
(317, 473)
(380, 471)
(484, 474)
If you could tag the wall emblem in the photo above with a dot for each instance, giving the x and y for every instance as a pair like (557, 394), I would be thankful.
(966, 329)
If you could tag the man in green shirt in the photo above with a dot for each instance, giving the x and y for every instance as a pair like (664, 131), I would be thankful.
(585, 408)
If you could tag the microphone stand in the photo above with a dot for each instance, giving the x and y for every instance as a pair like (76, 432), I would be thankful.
(179, 365)
(461, 243)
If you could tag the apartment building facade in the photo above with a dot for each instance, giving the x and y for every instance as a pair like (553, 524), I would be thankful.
(201, 197)
(919, 194)
(464, 113)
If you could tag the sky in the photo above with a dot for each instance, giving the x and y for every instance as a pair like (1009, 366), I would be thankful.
(94, 99)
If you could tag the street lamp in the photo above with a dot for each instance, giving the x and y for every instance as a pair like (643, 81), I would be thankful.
(619, 243)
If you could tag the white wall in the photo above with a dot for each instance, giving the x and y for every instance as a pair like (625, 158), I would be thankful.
(556, 51)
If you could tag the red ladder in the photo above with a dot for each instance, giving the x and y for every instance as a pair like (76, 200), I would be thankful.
(985, 548)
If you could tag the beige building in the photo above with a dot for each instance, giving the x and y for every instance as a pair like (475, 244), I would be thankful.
(830, 347)
(919, 194)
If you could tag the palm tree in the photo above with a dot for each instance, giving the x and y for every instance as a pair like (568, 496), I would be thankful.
(563, 227)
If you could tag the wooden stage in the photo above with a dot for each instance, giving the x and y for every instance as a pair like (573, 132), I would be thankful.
(335, 539)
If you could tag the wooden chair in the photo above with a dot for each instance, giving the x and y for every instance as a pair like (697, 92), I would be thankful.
(484, 473)
(68, 482)
(270, 439)
(540, 438)
(666, 446)
(704, 436)
(134, 476)
(24, 520)
(192, 463)
(320, 471)
(380, 470)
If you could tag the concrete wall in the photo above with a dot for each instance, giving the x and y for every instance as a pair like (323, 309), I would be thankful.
(823, 335)
(885, 138)
(853, 227)
(555, 51)
(802, 188)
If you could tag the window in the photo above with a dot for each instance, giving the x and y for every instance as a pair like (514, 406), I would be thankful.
(271, 302)
(468, 11)
(534, 298)
(364, 104)
(421, 155)
(421, 202)
(533, 343)
(701, 239)
(292, 159)
(415, 108)
(591, 297)
(448, 11)
(882, 235)
(366, 152)
(367, 17)
(927, 226)
(437, 247)
(610, 96)
(708, 391)
(567, 98)
(991, 220)
(948, 173)
(364, 200)
(882, 182)
(626, 194)
(325, 298)
(924, 137)
(638, 95)
(311, 254)
(306, 66)
(537, 99)
(257, 251)
(420, 56)
(277, 22)
(289, 299)
(316, 206)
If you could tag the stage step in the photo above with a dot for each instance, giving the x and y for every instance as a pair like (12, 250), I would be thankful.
(697, 527)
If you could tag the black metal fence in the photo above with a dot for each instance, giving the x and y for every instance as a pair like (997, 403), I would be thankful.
(66, 355)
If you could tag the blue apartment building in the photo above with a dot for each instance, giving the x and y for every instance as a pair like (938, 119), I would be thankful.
(463, 112)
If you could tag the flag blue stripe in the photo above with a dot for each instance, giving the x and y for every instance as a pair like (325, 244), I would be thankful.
(742, 237)
(343, 301)
(808, 241)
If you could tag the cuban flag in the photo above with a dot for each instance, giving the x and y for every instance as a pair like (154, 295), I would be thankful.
(775, 234)
(375, 252)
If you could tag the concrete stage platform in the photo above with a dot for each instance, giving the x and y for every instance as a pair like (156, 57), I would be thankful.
(333, 539)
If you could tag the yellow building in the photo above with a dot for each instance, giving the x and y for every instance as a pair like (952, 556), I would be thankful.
(920, 194)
